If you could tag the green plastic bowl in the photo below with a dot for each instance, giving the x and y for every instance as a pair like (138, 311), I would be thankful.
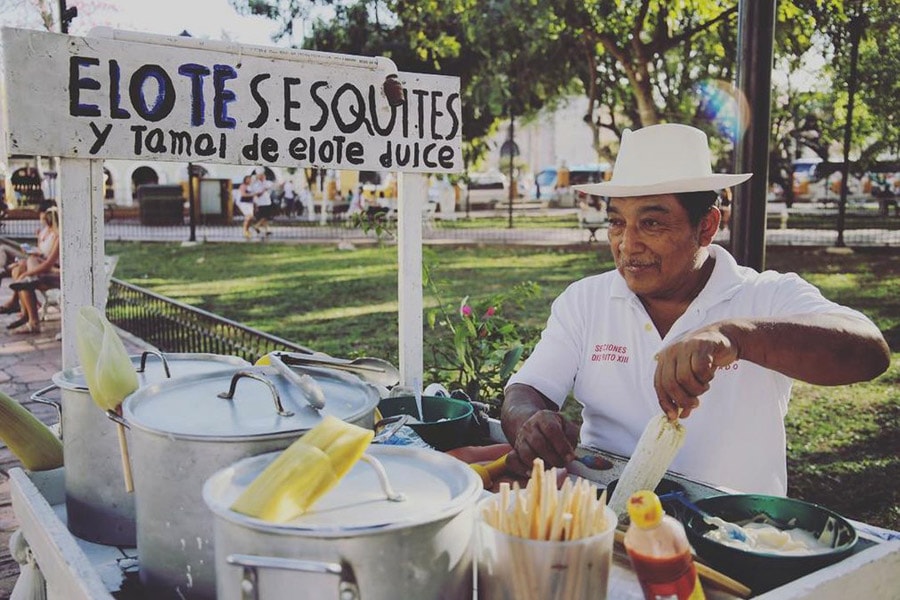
(448, 423)
(763, 571)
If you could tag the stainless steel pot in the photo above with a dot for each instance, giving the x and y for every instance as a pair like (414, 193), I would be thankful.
(98, 508)
(182, 431)
(355, 542)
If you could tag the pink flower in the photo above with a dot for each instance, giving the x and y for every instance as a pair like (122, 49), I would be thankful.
(490, 311)
(466, 310)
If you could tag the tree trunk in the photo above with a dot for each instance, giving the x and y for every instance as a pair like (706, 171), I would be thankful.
(643, 95)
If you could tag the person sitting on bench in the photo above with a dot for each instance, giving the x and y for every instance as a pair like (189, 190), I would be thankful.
(41, 272)
(13, 256)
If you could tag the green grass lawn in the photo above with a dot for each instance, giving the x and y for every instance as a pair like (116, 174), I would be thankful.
(842, 442)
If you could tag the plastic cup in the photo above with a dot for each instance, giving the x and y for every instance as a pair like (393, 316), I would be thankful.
(516, 568)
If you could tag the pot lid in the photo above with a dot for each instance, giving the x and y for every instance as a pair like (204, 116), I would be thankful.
(151, 368)
(433, 485)
(262, 403)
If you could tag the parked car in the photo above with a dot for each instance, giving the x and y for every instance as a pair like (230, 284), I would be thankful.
(545, 188)
(484, 191)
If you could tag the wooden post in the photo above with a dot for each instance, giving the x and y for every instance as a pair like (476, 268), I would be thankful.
(412, 192)
(82, 277)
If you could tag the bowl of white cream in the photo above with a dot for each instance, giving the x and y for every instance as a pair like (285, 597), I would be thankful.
(784, 538)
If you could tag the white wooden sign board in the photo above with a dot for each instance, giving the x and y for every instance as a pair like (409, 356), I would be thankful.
(181, 99)
(124, 95)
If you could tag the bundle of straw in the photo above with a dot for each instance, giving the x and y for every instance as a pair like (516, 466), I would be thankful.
(570, 568)
(543, 512)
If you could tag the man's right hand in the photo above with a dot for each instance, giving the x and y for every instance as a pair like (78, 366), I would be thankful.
(536, 430)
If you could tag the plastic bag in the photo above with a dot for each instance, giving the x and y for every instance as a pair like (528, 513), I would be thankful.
(107, 367)
(31, 584)
(406, 436)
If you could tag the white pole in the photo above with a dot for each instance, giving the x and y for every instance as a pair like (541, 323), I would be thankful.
(81, 249)
(412, 192)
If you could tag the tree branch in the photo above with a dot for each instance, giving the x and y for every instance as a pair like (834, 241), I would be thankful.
(662, 45)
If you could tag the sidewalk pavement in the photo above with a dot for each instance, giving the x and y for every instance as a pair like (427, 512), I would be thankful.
(27, 364)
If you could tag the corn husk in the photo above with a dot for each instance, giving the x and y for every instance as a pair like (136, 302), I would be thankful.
(304, 472)
(29, 439)
(107, 367)
(108, 371)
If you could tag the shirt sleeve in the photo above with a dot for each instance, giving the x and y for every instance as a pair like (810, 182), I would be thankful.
(795, 296)
(552, 366)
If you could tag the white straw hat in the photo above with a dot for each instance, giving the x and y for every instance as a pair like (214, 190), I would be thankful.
(663, 159)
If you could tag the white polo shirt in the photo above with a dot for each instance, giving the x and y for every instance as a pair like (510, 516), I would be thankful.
(600, 343)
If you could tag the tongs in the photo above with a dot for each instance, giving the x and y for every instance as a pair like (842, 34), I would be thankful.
(373, 370)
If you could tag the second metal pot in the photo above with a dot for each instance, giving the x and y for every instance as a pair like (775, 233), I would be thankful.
(98, 508)
(183, 431)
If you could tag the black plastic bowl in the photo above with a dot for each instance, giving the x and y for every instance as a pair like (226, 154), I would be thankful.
(447, 423)
(763, 571)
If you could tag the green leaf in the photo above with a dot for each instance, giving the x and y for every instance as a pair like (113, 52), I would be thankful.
(510, 360)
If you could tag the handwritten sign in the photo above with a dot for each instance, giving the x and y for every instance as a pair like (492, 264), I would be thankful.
(180, 99)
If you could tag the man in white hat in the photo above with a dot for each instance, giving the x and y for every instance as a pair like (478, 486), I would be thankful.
(680, 327)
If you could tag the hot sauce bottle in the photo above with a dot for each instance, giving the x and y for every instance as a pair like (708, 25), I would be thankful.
(659, 551)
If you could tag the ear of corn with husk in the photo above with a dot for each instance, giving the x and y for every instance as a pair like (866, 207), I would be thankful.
(304, 472)
(107, 367)
(29, 439)
(655, 451)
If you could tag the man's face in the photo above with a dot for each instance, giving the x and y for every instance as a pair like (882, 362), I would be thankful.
(655, 247)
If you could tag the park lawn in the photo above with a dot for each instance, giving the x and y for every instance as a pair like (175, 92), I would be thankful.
(842, 441)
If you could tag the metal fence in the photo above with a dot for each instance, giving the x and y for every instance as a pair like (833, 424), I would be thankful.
(175, 327)
(804, 224)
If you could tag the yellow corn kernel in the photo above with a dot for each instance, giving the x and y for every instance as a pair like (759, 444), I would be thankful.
(304, 472)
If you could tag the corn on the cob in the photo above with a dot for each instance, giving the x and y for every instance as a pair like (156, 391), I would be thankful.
(304, 471)
(29, 439)
(651, 458)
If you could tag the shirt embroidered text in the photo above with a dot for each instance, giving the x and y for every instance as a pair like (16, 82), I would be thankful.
(609, 353)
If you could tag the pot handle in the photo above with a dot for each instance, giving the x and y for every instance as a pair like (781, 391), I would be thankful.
(38, 397)
(229, 395)
(165, 363)
(347, 586)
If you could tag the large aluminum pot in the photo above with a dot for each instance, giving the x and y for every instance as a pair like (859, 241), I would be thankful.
(98, 508)
(182, 431)
(355, 542)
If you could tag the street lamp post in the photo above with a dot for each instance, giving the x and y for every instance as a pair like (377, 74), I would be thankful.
(512, 156)
(66, 15)
(191, 203)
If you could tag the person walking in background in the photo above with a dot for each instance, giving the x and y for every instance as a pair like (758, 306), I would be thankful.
(290, 197)
(306, 201)
(246, 204)
(355, 201)
(262, 191)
